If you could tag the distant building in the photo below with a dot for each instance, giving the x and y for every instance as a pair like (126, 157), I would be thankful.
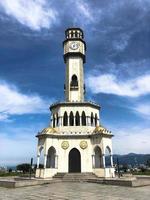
(3, 169)
(75, 141)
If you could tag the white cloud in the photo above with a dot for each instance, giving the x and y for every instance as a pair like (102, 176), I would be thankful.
(109, 84)
(84, 10)
(121, 42)
(13, 102)
(143, 108)
(33, 13)
(132, 139)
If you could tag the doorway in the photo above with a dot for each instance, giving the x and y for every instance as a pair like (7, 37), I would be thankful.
(74, 161)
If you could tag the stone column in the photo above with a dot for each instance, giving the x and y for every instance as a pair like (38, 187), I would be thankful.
(97, 122)
(56, 161)
(104, 160)
(38, 161)
(61, 121)
(68, 121)
(45, 160)
(93, 161)
(93, 121)
(111, 159)
(87, 121)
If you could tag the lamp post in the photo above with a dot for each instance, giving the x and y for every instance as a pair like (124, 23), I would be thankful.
(31, 167)
(118, 169)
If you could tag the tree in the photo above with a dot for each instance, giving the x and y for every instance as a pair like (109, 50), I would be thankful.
(125, 167)
(9, 170)
(148, 163)
(25, 167)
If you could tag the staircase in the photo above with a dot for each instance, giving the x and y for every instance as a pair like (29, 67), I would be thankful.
(75, 177)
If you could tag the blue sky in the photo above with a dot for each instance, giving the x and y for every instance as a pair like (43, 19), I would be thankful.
(32, 71)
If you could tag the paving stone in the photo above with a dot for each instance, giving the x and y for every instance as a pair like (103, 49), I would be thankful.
(75, 191)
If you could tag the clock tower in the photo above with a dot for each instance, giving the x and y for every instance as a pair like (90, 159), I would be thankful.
(74, 57)
(74, 141)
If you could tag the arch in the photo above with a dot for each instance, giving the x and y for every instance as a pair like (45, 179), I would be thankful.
(65, 119)
(92, 119)
(74, 81)
(74, 160)
(54, 121)
(71, 119)
(98, 157)
(83, 119)
(107, 156)
(41, 153)
(57, 119)
(51, 158)
(76, 34)
(77, 119)
(95, 119)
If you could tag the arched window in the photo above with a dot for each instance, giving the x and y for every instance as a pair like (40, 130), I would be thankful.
(65, 119)
(92, 119)
(95, 119)
(74, 81)
(51, 158)
(108, 157)
(71, 33)
(57, 119)
(41, 161)
(54, 121)
(76, 34)
(71, 119)
(83, 119)
(98, 157)
(77, 119)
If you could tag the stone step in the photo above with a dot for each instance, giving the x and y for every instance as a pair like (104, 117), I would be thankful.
(59, 175)
(75, 176)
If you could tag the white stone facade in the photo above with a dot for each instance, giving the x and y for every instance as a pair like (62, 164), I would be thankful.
(75, 141)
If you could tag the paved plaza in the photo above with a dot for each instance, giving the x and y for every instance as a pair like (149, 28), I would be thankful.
(75, 191)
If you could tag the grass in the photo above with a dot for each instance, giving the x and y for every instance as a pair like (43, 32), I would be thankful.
(147, 173)
(5, 174)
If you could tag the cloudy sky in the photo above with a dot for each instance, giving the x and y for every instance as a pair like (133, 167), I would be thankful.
(32, 71)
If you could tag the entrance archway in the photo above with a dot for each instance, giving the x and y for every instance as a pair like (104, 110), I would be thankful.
(51, 158)
(98, 157)
(74, 160)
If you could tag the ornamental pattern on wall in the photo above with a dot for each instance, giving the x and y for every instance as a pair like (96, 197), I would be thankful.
(65, 145)
(83, 144)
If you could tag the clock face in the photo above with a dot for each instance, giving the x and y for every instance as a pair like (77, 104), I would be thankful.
(74, 45)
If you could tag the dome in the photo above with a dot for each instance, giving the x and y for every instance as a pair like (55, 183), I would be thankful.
(101, 129)
(48, 130)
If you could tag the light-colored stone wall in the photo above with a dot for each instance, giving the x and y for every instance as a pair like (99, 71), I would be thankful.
(60, 110)
(74, 66)
(81, 48)
(62, 154)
